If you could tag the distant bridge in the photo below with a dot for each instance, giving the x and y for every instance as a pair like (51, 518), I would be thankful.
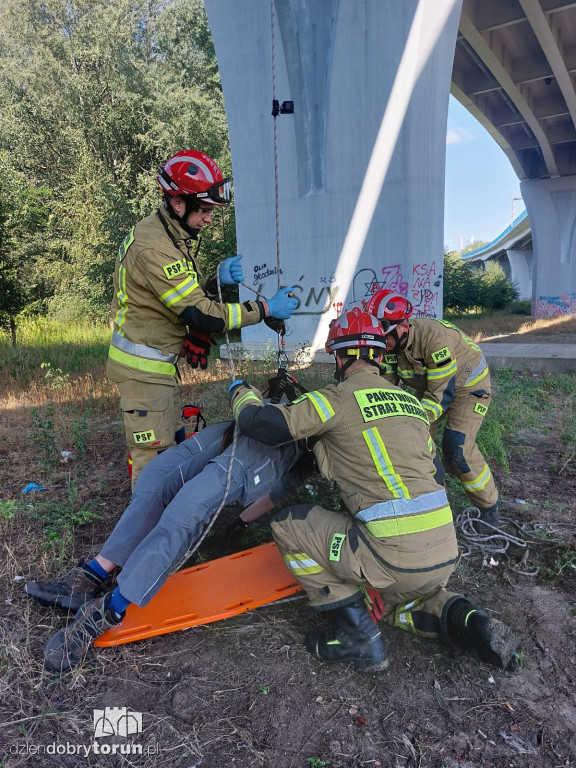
(512, 249)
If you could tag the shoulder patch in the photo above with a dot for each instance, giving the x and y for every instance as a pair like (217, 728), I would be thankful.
(126, 243)
(175, 269)
(441, 355)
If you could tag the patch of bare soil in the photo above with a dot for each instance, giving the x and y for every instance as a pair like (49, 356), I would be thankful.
(245, 692)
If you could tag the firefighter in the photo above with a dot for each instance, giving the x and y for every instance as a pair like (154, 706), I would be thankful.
(451, 379)
(162, 308)
(396, 533)
(174, 498)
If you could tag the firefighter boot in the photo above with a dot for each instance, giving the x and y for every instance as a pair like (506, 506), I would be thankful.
(492, 640)
(70, 591)
(490, 515)
(353, 638)
(70, 645)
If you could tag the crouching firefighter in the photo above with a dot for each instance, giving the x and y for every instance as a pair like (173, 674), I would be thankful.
(396, 536)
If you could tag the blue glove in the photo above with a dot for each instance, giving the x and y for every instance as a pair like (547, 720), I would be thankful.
(230, 271)
(234, 386)
(281, 305)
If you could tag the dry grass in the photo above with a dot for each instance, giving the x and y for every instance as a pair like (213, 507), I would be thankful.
(519, 329)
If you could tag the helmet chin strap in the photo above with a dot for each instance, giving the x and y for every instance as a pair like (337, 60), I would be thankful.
(191, 206)
(398, 340)
(341, 370)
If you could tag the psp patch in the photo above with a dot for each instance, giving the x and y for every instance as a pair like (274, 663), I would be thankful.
(481, 409)
(147, 436)
(336, 546)
(441, 355)
(175, 269)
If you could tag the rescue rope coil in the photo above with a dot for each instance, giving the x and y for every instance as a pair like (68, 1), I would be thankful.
(477, 536)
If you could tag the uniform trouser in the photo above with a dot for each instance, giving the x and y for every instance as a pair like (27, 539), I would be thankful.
(152, 419)
(328, 555)
(462, 456)
(176, 496)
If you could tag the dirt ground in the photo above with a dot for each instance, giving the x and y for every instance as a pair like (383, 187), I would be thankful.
(244, 692)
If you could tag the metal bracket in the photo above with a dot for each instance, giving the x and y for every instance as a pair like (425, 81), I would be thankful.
(286, 108)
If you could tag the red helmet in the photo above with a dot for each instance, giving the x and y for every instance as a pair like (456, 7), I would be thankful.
(390, 308)
(355, 329)
(193, 173)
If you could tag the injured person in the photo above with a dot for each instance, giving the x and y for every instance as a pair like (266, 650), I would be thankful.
(174, 500)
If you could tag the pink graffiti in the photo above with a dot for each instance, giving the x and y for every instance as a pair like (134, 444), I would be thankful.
(393, 279)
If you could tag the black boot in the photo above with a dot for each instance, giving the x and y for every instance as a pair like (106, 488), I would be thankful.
(353, 639)
(70, 591)
(490, 515)
(491, 639)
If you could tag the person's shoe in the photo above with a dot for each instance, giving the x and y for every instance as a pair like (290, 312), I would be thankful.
(492, 640)
(353, 639)
(69, 646)
(70, 591)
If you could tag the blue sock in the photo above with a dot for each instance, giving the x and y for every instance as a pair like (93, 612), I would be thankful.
(118, 602)
(96, 568)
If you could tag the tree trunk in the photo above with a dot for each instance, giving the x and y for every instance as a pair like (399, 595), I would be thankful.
(13, 329)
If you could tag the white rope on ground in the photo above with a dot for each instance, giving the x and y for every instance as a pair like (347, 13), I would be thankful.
(476, 535)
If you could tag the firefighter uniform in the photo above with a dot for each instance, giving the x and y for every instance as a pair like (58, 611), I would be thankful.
(155, 280)
(397, 534)
(451, 378)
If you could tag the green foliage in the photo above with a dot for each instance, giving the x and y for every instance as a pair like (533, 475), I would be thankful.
(60, 518)
(8, 509)
(467, 287)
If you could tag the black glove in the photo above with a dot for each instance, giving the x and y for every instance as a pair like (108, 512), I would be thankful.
(278, 326)
(234, 532)
(281, 384)
(196, 349)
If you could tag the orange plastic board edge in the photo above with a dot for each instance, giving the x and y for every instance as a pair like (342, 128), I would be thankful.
(208, 592)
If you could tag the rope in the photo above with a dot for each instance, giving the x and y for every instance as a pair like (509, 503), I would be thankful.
(281, 341)
(476, 535)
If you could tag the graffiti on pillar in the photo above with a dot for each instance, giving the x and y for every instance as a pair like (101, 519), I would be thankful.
(555, 306)
(312, 300)
(327, 279)
(424, 291)
(337, 306)
(366, 282)
(262, 271)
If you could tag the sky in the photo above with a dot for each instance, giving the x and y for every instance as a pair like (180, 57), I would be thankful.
(480, 182)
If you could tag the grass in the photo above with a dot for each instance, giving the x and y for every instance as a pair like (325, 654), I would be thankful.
(498, 327)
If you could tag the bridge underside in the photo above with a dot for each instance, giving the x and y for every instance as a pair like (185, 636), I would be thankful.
(514, 70)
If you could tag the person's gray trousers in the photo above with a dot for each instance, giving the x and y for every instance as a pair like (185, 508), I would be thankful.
(175, 496)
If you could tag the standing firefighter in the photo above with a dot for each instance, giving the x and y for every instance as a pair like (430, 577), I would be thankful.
(161, 307)
(451, 378)
(397, 534)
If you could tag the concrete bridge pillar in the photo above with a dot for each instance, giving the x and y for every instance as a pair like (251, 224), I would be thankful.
(521, 271)
(551, 206)
(360, 162)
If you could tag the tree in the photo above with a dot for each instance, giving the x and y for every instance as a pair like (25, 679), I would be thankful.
(495, 290)
(96, 95)
(460, 284)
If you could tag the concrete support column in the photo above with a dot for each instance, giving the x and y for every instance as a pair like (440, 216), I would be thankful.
(361, 161)
(551, 206)
(521, 271)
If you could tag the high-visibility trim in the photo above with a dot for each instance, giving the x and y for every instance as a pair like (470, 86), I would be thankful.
(401, 507)
(479, 482)
(408, 373)
(241, 402)
(302, 564)
(431, 445)
(403, 526)
(174, 295)
(141, 350)
(433, 407)
(140, 363)
(127, 242)
(234, 316)
(437, 374)
(403, 618)
(321, 404)
(386, 368)
(383, 465)
(122, 297)
(477, 374)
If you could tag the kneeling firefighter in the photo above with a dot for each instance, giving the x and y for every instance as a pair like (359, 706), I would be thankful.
(396, 535)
